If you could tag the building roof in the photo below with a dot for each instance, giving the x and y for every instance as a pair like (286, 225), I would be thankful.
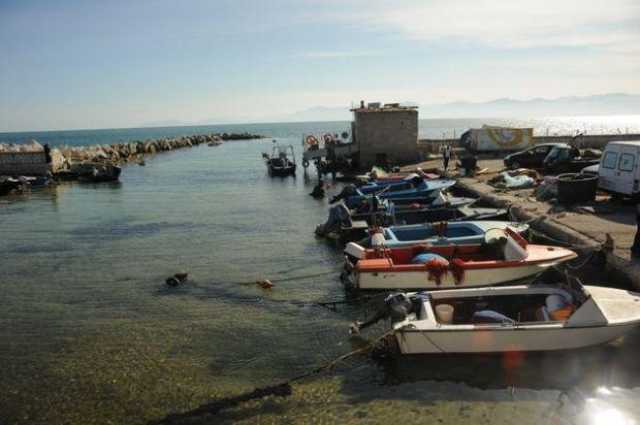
(385, 109)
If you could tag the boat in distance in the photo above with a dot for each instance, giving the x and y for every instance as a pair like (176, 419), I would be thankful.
(282, 161)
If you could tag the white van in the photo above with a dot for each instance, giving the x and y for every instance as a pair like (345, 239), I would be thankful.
(618, 170)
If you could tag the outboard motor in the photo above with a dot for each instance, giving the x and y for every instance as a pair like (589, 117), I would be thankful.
(347, 191)
(396, 307)
(399, 305)
(339, 215)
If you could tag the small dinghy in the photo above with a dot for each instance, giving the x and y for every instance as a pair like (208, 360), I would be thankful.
(410, 182)
(9, 184)
(352, 224)
(348, 225)
(421, 191)
(444, 207)
(509, 318)
(96, 172)
(504, 257)
(446, 233)
(282, 161)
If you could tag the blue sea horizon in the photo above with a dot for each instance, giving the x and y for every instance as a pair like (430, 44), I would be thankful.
(428, 128)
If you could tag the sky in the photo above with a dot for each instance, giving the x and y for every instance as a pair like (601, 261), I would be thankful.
(101, 64)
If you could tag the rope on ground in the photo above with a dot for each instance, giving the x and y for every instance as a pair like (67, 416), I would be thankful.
(583, 263)
(331, 305)
(596, 247)
(282, 389)
(285, 279)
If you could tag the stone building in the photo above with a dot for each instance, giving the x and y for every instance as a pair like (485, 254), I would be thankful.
(385, 134)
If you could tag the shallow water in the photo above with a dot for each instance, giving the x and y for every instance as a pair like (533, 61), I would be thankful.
(89, 332)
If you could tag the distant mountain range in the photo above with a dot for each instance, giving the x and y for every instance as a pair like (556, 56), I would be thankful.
(606, 104)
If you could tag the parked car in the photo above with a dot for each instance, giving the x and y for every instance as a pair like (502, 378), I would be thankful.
(532, 157)
(566, 159)
(618, 171)
(591, 170)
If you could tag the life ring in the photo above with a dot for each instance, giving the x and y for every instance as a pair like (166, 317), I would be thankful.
(305, 163)
(311, 140)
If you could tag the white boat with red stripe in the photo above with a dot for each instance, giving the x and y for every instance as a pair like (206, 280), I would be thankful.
(506, 257)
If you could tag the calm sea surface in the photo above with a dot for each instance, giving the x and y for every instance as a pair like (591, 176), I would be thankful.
(428, 128)
(89, 332)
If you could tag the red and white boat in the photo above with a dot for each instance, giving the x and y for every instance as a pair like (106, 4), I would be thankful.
(503, 258)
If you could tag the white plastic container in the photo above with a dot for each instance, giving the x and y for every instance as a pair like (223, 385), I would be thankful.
(444, 313)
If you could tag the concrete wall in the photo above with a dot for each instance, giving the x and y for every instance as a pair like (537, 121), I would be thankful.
(393, 133)
(23, 163)
(597, 141)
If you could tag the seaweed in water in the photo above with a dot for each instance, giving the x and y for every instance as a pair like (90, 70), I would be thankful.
(212, 408)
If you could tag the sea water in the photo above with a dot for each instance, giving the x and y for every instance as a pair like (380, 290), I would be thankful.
(90, 333)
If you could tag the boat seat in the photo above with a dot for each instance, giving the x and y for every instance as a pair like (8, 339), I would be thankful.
(375, 264)
(542, 314)
(359, 224)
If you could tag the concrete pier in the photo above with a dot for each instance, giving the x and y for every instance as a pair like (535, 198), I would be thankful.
(604, 229)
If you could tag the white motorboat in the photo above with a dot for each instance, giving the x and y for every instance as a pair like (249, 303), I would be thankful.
(510, 318)
(505, 257)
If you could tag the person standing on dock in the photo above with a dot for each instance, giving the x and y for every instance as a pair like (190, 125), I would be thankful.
(446, 156)
(635, 248)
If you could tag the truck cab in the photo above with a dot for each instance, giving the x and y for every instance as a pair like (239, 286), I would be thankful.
(618, 171)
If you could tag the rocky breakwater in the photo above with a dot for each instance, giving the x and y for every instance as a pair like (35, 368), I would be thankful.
(122, 153)
(97, 162)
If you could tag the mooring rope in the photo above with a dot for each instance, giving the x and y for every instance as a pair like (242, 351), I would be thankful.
(284, 279)
(282, 389)
(595, 247)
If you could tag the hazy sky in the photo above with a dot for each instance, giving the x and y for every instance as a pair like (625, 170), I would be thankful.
(96, 64)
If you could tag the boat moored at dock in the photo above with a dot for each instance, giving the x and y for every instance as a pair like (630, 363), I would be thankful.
(504, 257)
(447, 233)
(509, 318)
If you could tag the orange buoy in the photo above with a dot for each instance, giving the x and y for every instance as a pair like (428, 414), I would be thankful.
(264, 284)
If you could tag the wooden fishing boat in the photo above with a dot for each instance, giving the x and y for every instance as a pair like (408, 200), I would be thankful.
(282, 161)
(504, 257)
(509, 318)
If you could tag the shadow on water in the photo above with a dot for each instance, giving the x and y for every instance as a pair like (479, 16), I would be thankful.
(116, 185)
(123, 229)
(588, 368)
